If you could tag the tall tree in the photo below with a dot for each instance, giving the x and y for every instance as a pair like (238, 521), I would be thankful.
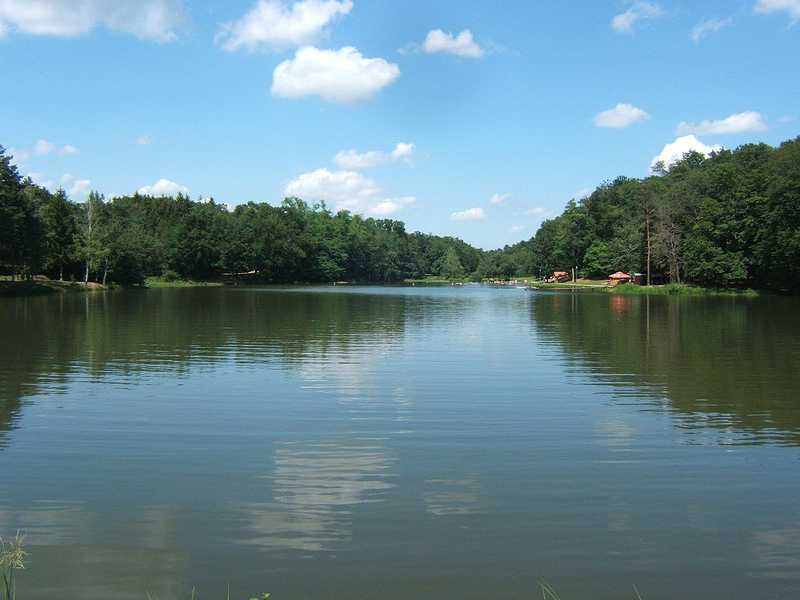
(58, 219)
(450, 265)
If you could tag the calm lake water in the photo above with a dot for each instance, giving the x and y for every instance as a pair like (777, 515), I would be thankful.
(396, 443)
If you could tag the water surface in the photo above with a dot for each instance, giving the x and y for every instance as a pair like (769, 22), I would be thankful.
(401, 442)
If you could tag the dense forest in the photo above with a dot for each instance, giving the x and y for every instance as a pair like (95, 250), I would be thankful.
(126, 239)
(731, 219)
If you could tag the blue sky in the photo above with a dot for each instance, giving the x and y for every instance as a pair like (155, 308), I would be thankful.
(433, 108)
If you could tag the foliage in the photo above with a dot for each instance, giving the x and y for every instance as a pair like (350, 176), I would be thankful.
(130, 238)
(731, 220)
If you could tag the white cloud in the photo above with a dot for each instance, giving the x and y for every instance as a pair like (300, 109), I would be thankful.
(358, 161)
(144, 140)
(538, 211)
(738, 123)
(146, 19)
(403, 151)
(347, 190)
(390, 206)
(277, 24)
(704, 28)
(639, 11)
(350, 159)
(343, 75)
(791, 7)
(75, 187)
(470, 214)
(674, 151)
(19, 156)
(497, 199)
(462, 44)
(621, 116)
(79, 187)
(40, 180)
(43, 147)
(163, 187)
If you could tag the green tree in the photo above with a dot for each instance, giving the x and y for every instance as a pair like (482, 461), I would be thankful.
(20, 225)
(450, 265)
(58, 219)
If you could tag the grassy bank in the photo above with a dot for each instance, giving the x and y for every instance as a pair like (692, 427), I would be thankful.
(670, 289)
(680, 289)
(169, 282)
(45, 287)
(571, 285)
(435, 281)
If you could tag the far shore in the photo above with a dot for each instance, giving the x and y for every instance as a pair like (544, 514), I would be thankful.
(42, 286)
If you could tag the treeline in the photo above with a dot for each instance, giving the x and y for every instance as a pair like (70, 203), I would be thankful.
(126, 239)
(732, 219)
(728, 220)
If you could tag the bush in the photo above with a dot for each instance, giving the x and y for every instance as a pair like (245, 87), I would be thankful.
(170, 275)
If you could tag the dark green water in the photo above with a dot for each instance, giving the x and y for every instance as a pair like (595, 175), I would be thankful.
(397, 443)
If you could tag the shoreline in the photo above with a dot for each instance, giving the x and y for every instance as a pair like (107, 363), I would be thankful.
(668, 289)
(41, 287)
(44, 287)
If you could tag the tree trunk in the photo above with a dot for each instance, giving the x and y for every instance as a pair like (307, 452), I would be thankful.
(61, 271)
(649, 246)
(105, 272)
(86, 274)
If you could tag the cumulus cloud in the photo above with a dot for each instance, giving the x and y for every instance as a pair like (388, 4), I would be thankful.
(621, 116)
(463, 44)
(75, 187)
(738, 123)
(43, 147)
(353, 160)
(538, 211)
(278, 24)
(146, 19)
(470, 214)
(18, 155)
(41, 180)
(343, 76)
(358, 161)
(790, 7)
(704, 28)
(163, 187)
(497, 199)
(347, 190)
(639, 11)
(403, 151)
(675, 151)
(390, 206)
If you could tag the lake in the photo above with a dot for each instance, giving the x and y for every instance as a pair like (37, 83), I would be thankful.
(401, 442)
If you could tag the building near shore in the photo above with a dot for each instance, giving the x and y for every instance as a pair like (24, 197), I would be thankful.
(619, 277)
